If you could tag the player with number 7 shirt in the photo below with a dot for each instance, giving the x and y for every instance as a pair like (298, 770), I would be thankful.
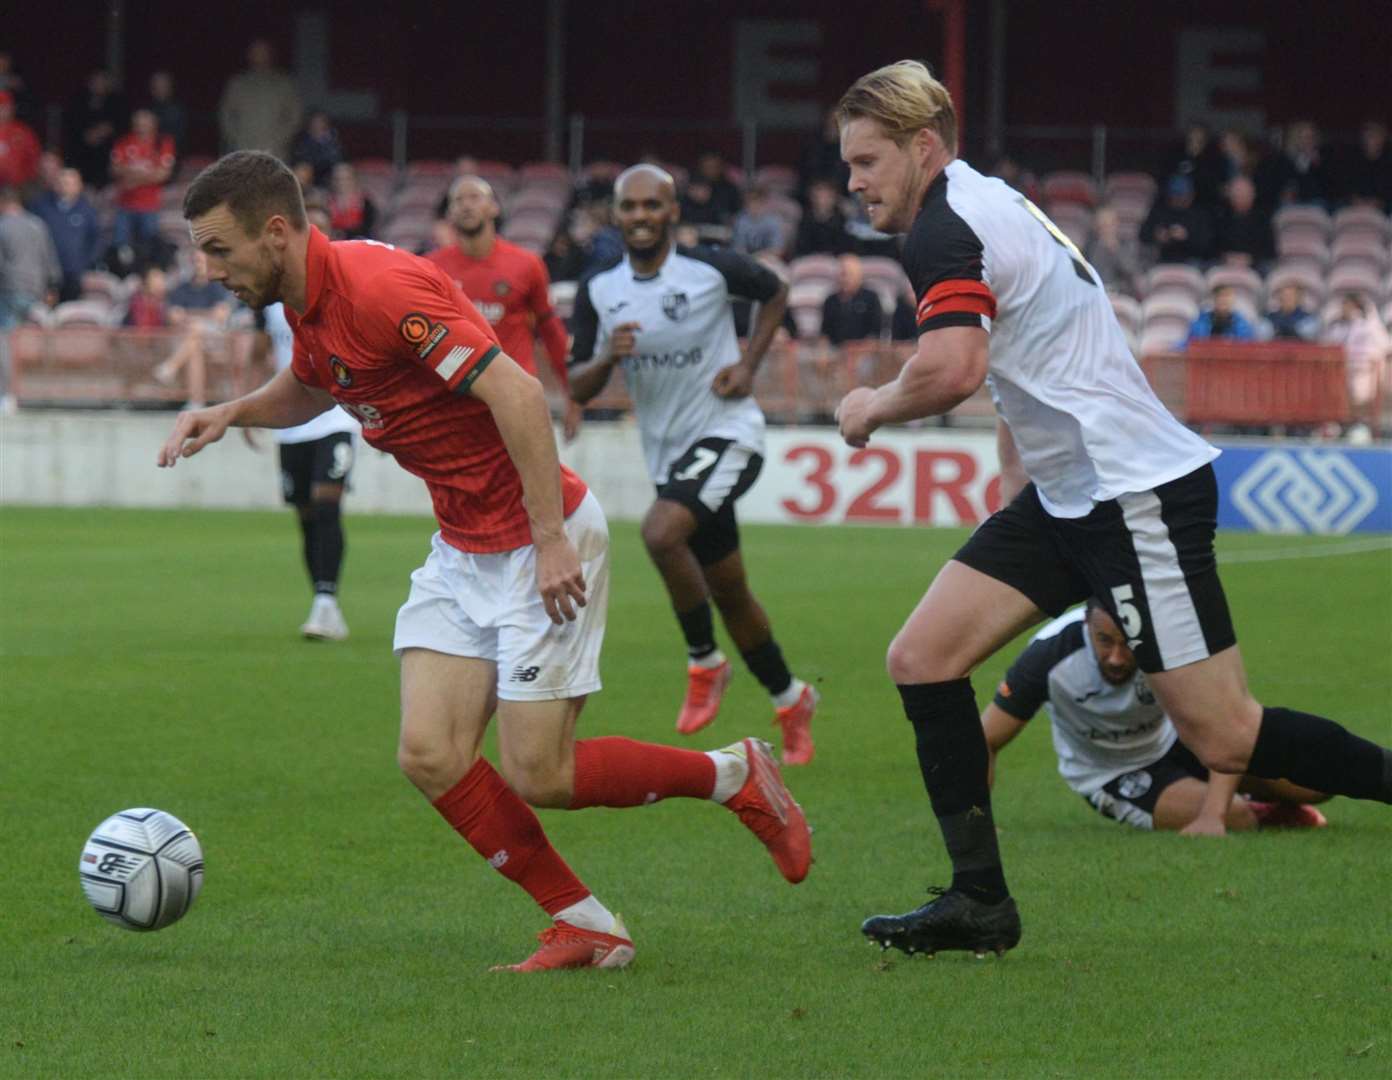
(507, 615)
(1121, 500)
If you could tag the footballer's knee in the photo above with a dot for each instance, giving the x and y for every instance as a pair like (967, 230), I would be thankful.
(661, 537)
(907, 665)
(433, 765)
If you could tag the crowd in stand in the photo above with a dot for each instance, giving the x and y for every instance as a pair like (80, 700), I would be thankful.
(106, 202)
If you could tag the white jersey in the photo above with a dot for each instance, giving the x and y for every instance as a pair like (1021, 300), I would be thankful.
(283, 345)
(686, 334)
(1086, 422)
(1101, 731)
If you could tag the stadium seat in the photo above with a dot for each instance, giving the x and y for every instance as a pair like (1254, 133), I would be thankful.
(375, 166)
(805, 300)
(1175, 277)
(1130, 188)
(1070, 187)
(101, 285)
(1355, 278)
(1299, 244)
(1311, 281)
(418, 195)
(1362, 221)
(1167, 317)
(429, 167)
(886, 276)
(191, 166)
(1359, 249)
(1073, 219)
(93, 312)
(815, 268)
(604, 172)
(1127, 311)
(1302, 221)
(1247, 284)
(533, 198)
(1161, 337)
(544, 170)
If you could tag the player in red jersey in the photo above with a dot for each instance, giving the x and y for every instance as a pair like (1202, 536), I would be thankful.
(507, 283)
(507, 614)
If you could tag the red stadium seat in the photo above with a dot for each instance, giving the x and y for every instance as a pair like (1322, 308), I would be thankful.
(1069, 186)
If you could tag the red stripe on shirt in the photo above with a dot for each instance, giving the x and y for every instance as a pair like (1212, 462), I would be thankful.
(958, 296)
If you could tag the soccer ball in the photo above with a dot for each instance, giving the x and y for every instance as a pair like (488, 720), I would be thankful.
(141, 869)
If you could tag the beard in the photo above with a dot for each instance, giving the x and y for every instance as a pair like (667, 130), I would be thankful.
(470, 230)
(660, 237)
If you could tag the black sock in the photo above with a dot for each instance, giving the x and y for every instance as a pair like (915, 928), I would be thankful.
(326, 554)
(953, 758)
(698, 630)
(308, 530)
(1317, 753)
(766, 662)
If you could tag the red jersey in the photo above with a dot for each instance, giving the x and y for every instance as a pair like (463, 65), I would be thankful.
(19, 153)
(397, 345)
(156, 153)
(511, 289)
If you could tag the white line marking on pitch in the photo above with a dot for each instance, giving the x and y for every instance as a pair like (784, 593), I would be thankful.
(1351, 547)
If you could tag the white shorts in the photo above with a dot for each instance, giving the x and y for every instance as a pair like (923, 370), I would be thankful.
(488, 607)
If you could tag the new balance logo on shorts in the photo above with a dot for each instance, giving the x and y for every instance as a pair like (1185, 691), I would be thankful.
(525, 674)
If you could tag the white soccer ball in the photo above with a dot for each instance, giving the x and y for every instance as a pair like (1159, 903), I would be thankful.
(141, 869)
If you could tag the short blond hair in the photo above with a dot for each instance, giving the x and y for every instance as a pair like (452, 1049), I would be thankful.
(902, 98)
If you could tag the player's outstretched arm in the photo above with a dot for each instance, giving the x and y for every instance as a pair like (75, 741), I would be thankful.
(589, 375)
(1013, 476)
(282, 402)
(1000, 728)
(518, 406)
(737, 380)
(1219, 793)
(949, 366)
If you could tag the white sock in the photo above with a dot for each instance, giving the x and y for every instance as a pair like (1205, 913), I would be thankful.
(589, 914)
(790, 695)
(731, 771)
(712, 659)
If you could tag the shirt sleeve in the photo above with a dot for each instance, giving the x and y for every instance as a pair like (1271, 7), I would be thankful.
(548, 325)
(745, 276)
(585, 324)
(945, 261)
(416, 314)
(1026, 684)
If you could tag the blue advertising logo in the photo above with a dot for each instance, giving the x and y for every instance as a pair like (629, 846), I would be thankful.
(1324, 490)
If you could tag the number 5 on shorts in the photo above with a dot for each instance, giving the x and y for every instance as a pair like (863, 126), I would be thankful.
(703, 457)
(1130, 616)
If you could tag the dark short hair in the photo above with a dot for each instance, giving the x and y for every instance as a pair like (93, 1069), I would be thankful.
(254, 185)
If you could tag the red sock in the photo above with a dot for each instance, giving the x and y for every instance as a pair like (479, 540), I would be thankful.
(503, 829)
(623, 772)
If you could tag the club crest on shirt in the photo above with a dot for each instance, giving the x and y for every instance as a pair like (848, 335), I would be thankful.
(501, 288)
(421, 333)
(341, 374)
(1144, 694)
(675, 305)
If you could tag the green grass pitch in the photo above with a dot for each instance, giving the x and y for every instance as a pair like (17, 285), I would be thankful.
(152, 659)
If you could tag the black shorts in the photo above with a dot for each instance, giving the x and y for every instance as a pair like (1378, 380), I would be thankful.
(707, 480)
(1147, 557)
(321, 461)
(1131, 797)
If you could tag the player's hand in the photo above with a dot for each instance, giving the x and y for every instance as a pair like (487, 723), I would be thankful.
(624, 341)
(735, 381)
(1205, 826)
(574, 417)
(194, 430)
(853, 416)
(560, 579)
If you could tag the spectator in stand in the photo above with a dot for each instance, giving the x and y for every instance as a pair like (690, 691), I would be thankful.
(1367, 178)
(742, 310)
(76, 230)
(820, 160)
(852, 312)
(699, 211)
(1009, 170)
(903, 324)
(1309, 181)
(260, 107)
(564, 260)
(1179, 229)
(1272, 172)
(304, 173)
(93, 120)
(1202, 162)
(822, 230)
(351, 212)
(1236, 150)
(19, 147)
(1113, 255)
(147, 310)
(318, 145)
(724, 196)
(29, 275)
(1366, 344)
(170, 114)
(1290, 320)
(1244, 236)
(12, 83)
(199, 308)
(757, 227)
(141, 164)
(598, 237)
(1221, 319)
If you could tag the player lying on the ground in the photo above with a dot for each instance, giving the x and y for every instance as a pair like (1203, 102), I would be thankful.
(507, 615)
(1115, 745)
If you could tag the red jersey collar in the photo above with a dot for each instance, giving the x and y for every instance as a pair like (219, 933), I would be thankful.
(316, 263)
